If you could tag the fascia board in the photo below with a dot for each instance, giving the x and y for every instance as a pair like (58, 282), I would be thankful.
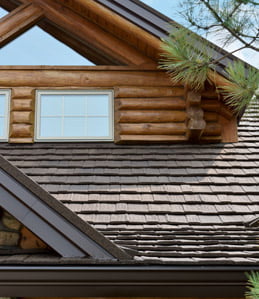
(128, 281)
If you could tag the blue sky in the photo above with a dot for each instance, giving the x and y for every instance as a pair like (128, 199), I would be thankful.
(36, 47)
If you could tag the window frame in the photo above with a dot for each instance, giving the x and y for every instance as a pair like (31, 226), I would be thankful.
(7, 93)
(107, 92)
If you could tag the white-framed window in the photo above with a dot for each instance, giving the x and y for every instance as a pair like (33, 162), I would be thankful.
(74, 115)
(4, 114)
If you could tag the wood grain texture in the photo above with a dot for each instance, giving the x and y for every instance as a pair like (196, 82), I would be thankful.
(21, 140)
(169, 103)
(229, 129)
(112, 21)
(18, 21)
(211, 116)
(80, 28)
(83, 79)
(226, 112)
(22, 117)
(147, 91)
(152, 138)
(151, 116)
(29, 241)
(212, 129)
(210, 105)
(21, 131)
(22, 93)
(22, 105)
(145, 110)
(153, 129)
(195, 116)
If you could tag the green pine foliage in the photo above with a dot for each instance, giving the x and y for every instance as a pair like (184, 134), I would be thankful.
(245, 82)
(253, 286)
(184, 63)
(187, 59)
(186, 56)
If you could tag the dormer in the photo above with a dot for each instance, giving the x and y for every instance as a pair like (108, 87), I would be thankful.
(124, 98)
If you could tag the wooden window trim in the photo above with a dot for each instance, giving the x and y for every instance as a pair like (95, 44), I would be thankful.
(7, 93)
(109, 138)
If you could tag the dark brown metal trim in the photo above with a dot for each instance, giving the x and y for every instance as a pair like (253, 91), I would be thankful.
(50, 220)
(146, 281)
(157, 24)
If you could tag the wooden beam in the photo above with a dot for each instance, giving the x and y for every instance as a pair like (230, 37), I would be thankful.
(81, 78)
(153, 129)
(195, 116)
(83, 7)
(152, 116)
(18, 21)
(148, 92)
(81, 29)
(151, 139)
(163, 103)
(84, 49)
(9, 4)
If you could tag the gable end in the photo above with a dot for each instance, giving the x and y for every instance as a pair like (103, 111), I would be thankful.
(50, 220)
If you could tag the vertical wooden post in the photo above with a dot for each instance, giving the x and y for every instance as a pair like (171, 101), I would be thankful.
(195, 116)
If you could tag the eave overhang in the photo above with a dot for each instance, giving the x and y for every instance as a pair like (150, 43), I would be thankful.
(124, 281)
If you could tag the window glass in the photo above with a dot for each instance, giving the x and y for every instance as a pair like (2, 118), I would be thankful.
(74, 105)
(97, 105)
(74, 115)
(4, 114)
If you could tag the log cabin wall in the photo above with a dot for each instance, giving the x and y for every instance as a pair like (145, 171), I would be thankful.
(147, 107)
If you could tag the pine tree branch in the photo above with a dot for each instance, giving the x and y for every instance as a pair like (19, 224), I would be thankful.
(216, 61)
(222, 24)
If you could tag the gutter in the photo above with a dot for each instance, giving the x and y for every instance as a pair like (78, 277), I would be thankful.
(123, 281)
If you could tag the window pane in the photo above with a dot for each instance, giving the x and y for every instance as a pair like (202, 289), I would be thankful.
(51, 105)
(2, 104)
(98, 126)
(51, 127)
(65, 115)
(74, 127)
(97, 104)
(2, 127)
(74, 105)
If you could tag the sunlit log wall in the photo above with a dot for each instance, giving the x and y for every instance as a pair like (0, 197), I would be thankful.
(147, 108)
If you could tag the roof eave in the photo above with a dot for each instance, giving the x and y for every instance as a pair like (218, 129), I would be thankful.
(124, 281)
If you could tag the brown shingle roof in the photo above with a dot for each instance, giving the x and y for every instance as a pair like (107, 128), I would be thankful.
(180, 204)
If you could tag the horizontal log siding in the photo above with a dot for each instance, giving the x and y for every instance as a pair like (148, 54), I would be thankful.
(150, 114)
(211, 107)
(22, 115)
(147, 107)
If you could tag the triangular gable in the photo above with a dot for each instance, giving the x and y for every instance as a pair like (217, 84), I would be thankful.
(107, 32)
(80, 31)
(50, 220)
(36, 47)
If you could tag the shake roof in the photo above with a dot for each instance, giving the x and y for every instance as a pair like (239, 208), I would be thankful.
(177, 204)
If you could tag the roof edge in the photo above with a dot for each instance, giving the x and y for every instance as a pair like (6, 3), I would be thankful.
(63, 211)
(124, 281)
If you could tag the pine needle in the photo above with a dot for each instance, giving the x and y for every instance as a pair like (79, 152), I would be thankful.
(245, 82)
(253, 285)
(184, 63)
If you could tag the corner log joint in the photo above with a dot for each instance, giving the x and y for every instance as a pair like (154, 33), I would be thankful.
(195, 122)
